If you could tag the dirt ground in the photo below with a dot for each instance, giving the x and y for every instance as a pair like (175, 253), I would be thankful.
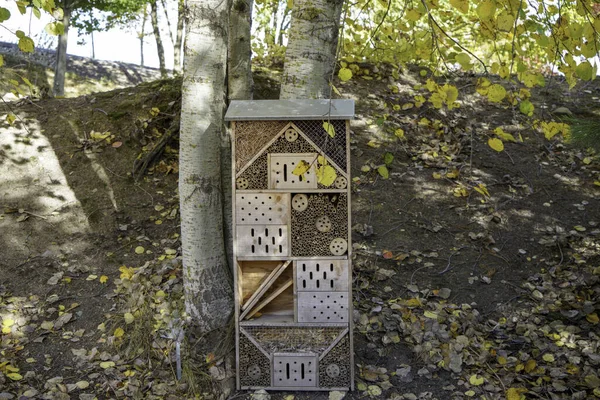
(457, 293)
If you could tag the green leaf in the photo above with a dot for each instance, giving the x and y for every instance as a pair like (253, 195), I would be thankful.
(496, 93)
(460, 5)
(26, 44)
(301, 168)
(585, 71)
(383, 171)
(486, 10)
(36, 12)
(496, 144)
(20, 34)
(388, 158)
(329, 128)
(4, 14)
(464, 60)
(55, 28)
(1, 60)
(526, 107)
(326, 175)
(11, 118)
(344, 74)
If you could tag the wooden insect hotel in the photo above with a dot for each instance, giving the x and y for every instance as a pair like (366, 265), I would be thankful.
(291, 212)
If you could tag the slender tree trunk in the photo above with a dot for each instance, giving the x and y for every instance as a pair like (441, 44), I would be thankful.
(311, 50)
(239, 72)
(164, 6)
(159, 44)
(178, 36)
(142, 34)
(207, 275)
(61, 54)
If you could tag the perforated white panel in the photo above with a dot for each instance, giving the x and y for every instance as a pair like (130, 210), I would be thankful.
(323, 306)
(295, 370)
(262, 208)
(323, 275)
(262, 240)
(281, 166)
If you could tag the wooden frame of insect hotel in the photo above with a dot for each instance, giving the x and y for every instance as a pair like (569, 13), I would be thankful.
(292, 249)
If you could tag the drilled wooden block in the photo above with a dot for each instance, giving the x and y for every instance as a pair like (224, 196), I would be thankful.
(262, 240)
(262, 208)
(323, 307)
(322, 275)
(281, 167)
(295, 370)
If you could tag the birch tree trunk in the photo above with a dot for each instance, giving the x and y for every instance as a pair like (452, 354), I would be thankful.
(311, 50)
(207, 276)
(239, 73)
(61, 53)
(178, 36)
(142, 34)
(159, 44)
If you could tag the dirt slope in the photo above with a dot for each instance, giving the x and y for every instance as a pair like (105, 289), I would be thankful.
(450, 282)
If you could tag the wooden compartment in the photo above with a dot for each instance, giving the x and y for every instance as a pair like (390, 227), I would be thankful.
(266, 291)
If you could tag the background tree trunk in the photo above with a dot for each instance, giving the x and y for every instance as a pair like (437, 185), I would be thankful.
(142, 34)
(311, 50)
(178, 36)
(208, 280)
(61, 54)
(159, 44)
(239, 71)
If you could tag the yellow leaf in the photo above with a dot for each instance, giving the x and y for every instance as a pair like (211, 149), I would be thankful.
(587, 160)
(430, 314)
(301, 168)
(407, 106)
(585, 71)
(505, 22)
(414, 302)
(413, 15)
(344, 74)
(482, 189)
(453, 174)
(504, 135)
(129, 373)
(119, 332)
(592, 318)
(526, 107)
(335, 90)
(514, 393)
(82, 384)
(437, 175)
(399, 133)
(470, 393)
(91, 277)
(476, 380)
(496, 144)
(129, 318)
(107, 364)
(139, 250)
(383, 171)
(329, 128)
(502, 360)
(126, 272)
(548, 357)
(486, 10)
(496, 93)
(11, 118)
(326, 175)
(103, 279)
(15, 376)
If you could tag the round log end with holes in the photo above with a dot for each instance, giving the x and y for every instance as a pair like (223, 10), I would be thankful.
(323, 224)
(338, 246)
(300, 202)
(332, 370)
(254, 372)
(291, 135)
(241, 183)
(340, 182)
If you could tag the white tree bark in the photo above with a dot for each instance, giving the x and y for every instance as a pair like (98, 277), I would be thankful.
(207, 277)
(239, 72)
(159, 45)
(178, 36)
(311, 50)
(60, 69)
